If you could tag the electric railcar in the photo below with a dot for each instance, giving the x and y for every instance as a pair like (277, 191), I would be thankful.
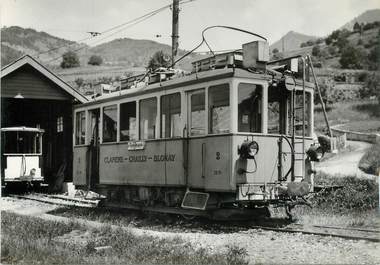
(21, 156)
(228, 139)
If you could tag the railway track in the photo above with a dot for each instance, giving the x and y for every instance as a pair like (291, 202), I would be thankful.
(349, 233)
(61, 200)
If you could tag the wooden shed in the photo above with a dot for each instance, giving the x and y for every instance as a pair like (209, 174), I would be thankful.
(33, 96)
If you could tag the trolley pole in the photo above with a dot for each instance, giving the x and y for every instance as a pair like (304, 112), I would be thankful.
(175, 11)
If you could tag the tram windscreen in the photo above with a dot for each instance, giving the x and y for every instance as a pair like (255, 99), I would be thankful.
(20, 142)
(278, 101)
(249, 108)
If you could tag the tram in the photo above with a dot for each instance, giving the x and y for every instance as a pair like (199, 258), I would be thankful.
(21, 154)
(228, 139)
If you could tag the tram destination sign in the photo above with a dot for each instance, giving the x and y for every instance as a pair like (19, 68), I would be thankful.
(136, 145)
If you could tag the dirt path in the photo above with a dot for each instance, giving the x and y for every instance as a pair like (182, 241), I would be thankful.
(262, 246)
(346, 162)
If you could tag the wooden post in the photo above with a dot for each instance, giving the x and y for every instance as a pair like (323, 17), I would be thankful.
(320, 96)
(175, 36)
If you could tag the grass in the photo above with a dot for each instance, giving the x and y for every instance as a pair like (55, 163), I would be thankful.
(355, 204)
(30, 240)
(370, 162)
(351, 112)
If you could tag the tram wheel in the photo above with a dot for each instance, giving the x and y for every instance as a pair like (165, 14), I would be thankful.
(188, 217)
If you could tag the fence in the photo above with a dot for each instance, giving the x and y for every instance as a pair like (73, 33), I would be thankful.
(357, 136)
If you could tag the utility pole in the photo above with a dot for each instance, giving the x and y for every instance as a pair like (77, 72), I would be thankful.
(175, 10)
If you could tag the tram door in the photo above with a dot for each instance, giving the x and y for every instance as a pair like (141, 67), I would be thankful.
(196, 129)
(93, 150)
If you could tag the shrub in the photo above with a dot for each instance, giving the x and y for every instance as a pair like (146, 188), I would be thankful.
(370, 162)
(79, 81)
(371, 86)
(95, 60)
(159, 59)
(351, 58)
(355, 195)
(316, 51)
(70, 59)
(374, 58)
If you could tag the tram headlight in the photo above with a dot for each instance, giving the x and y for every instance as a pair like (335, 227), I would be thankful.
(248, 149)
(315, 152)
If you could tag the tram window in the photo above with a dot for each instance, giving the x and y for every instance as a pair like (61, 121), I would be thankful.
(60, 124)
(80, 125)
(277, 106)
(197, 113)
(21, 142)
(148, 118)
(219, 105)
(298, 113)
(249, 109)
(128, 128)
(171, 116)
(93, 130)
(109, 123)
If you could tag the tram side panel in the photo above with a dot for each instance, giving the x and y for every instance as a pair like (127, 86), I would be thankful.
(158, 163)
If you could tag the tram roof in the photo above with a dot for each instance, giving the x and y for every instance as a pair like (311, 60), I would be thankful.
(194, 78)
(22, 129)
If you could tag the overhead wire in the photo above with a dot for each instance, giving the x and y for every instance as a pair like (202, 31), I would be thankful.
(99, 40)
(128, 24)
(205, 41)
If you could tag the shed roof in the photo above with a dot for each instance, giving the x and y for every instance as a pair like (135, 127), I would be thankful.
(28, 60)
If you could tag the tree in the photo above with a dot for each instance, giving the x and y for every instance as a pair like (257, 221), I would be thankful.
(310, 43)
(95, 60)
(159, 59)
(70, 59)
(351, 58)
(357, 27)
(275, 50)
(371, 86)
(374, 58)
(316, 51)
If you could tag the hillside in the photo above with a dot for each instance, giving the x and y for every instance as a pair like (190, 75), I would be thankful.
(129, 52)
(368, 16)
(291, 41)
(16, 41)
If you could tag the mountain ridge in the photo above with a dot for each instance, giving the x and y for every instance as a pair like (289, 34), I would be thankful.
(367, 16)
(291, 41)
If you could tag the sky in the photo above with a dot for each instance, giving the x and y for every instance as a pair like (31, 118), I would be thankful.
(72, 19)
